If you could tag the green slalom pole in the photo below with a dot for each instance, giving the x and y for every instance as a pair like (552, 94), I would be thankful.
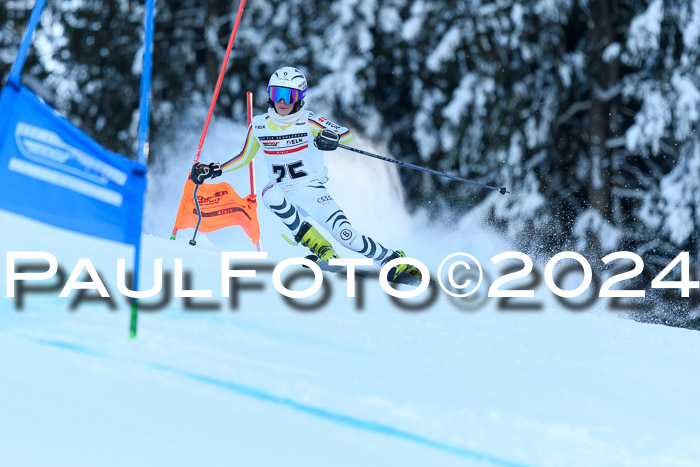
(134, 318)
(144, 105)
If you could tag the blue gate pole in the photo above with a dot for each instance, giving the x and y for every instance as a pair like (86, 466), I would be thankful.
(16, 71)
(143, 148)
(144, 103)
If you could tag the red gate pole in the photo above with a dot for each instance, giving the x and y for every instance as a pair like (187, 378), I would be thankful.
(251, 167)
(216, 90)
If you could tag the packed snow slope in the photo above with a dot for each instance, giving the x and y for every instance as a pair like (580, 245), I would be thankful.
(354, 382)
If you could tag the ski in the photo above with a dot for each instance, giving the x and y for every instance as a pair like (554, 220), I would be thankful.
(402, 278)
(361, 272)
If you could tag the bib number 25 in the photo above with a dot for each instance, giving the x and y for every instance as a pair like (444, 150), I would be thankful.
(292, 169)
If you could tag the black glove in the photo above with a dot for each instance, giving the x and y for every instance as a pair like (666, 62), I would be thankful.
(201, 172)
(215, 169)
(327, 140)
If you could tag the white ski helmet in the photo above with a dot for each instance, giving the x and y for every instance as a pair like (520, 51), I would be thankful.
(289, 84)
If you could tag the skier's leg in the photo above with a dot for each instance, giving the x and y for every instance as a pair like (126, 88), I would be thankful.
(320, 205)
(276, 201)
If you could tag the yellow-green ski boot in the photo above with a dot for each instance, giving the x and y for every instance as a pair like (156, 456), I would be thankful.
(312, 238)
(404, 273)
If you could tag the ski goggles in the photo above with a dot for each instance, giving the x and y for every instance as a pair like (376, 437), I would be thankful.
(288, 95)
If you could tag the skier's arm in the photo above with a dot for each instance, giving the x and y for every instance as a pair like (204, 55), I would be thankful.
(246, 155)
(318, 124)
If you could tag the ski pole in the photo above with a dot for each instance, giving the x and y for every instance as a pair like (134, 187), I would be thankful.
(501, 190)
(199, 216)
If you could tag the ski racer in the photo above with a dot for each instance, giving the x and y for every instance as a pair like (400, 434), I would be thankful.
(293, 141)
